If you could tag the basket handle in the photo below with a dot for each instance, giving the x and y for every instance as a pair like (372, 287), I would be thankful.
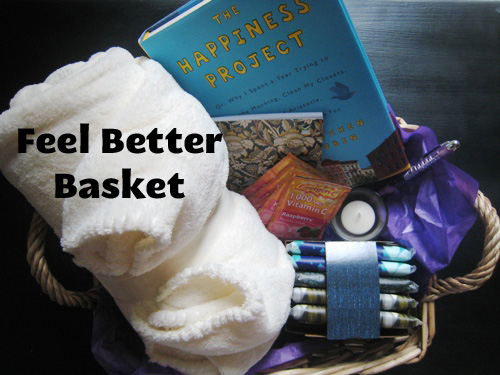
(41, 272)
(484, 269)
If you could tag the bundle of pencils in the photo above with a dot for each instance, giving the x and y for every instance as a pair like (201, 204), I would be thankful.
(309, 297)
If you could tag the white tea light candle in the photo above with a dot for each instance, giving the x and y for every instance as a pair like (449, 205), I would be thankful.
(362, 217)
(358, 217)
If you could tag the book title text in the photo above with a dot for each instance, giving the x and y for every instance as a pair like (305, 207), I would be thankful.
(239, 36)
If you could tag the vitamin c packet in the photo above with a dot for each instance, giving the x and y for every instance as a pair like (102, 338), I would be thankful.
(281, 174)
(305, 207)
(268, 176)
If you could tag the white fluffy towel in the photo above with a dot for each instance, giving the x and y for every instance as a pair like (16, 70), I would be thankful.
(201, 280)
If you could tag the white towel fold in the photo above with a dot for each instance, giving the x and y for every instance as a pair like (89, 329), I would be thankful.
(202, 281)
(223, 311)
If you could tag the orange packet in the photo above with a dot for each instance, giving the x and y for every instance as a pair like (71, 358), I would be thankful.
(305, 207)
(288, 160)
(294, 167)
(268, 176)
(260, 196)
(266, 209)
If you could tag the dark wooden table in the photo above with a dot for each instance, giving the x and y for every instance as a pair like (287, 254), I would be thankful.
(438, 64)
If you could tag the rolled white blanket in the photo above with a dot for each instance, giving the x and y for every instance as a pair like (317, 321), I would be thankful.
(115, 91)
(202, 281)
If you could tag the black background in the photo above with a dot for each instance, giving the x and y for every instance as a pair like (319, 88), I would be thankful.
(438, 64)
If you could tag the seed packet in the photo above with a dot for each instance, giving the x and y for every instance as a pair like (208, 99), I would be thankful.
(305, 207)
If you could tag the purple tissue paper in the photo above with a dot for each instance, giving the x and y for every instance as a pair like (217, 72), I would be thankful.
(433, 211)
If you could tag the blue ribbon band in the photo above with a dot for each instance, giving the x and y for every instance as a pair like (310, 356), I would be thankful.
(353, 290)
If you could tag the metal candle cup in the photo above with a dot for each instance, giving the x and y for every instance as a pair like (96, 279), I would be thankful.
(370, 213)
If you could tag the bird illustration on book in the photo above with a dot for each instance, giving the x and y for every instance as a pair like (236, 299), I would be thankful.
(342, 92)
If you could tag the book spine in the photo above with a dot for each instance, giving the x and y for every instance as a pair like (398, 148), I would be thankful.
(190, 4)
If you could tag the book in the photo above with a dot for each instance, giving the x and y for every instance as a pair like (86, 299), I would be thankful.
(257, 142)
(282, 56)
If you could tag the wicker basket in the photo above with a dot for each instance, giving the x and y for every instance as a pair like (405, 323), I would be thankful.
(343, 357)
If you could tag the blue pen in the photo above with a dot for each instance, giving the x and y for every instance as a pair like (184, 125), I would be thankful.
(429, 159)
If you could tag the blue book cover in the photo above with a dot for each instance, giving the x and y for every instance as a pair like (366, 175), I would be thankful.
(249, 57)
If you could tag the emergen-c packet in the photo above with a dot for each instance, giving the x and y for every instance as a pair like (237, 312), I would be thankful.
(267, 209)
(305, 207)
(281, 174)
(268, 176)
